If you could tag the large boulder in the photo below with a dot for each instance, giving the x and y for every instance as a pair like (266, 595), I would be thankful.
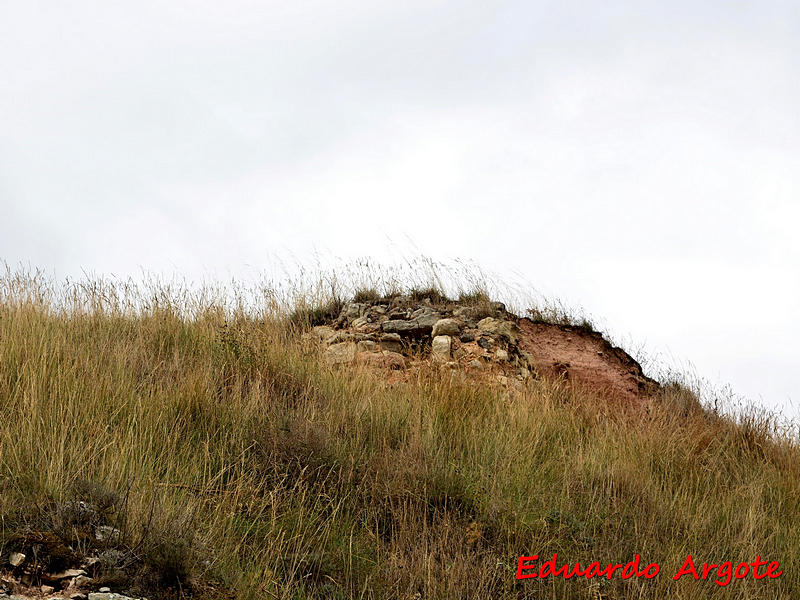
(446, 327)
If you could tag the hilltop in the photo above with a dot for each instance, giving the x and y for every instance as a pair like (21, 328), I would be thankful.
(477, 336)
(403, 446)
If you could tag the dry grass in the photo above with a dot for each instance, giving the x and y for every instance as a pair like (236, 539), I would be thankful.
(237, 465)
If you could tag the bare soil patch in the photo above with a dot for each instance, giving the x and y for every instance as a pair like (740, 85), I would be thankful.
(586, 359)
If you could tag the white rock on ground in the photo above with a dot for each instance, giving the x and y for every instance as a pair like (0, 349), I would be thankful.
(82, 580)
(108, 596)
(441, 347)
(68, 574)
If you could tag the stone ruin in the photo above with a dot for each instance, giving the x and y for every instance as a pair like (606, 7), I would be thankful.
(402, 333)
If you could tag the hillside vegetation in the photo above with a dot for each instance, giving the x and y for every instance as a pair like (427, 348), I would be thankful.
(235, 463)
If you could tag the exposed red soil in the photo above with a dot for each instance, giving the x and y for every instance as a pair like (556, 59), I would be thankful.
(586, 359)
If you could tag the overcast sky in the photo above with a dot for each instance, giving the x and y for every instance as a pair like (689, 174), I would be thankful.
(639, 159)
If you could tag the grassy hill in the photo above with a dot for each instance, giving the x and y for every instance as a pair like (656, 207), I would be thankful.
(223, 459)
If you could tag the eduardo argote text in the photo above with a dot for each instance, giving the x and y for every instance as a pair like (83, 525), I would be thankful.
(529, 567)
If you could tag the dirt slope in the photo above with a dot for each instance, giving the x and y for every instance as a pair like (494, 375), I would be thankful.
(584, 358)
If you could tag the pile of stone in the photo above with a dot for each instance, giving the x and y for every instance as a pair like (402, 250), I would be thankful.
(401, 332)
(22, 579)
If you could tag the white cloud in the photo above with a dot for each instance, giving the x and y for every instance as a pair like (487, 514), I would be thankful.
(639, 159)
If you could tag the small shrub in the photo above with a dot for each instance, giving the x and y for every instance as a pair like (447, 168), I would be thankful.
(318, 314)
(433, 294)
(474, 297)
(367, 296)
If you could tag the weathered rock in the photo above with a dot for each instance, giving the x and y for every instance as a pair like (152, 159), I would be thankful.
(341, 353)
(322, 332)
(446, 327)
(365, 324)
(396, 325)
(367, 346)
(67, 574)
(497, 307)
(426, 318)
(501, 355)
(467, 337)
(400, 327)
(339, 337)
(353, 310)
(391, 342)
(78, 596)
(16, 559)
(484, 343)
(441, 347)
(47, 589)
(82, 580)
(476, 364)
(507, 329)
